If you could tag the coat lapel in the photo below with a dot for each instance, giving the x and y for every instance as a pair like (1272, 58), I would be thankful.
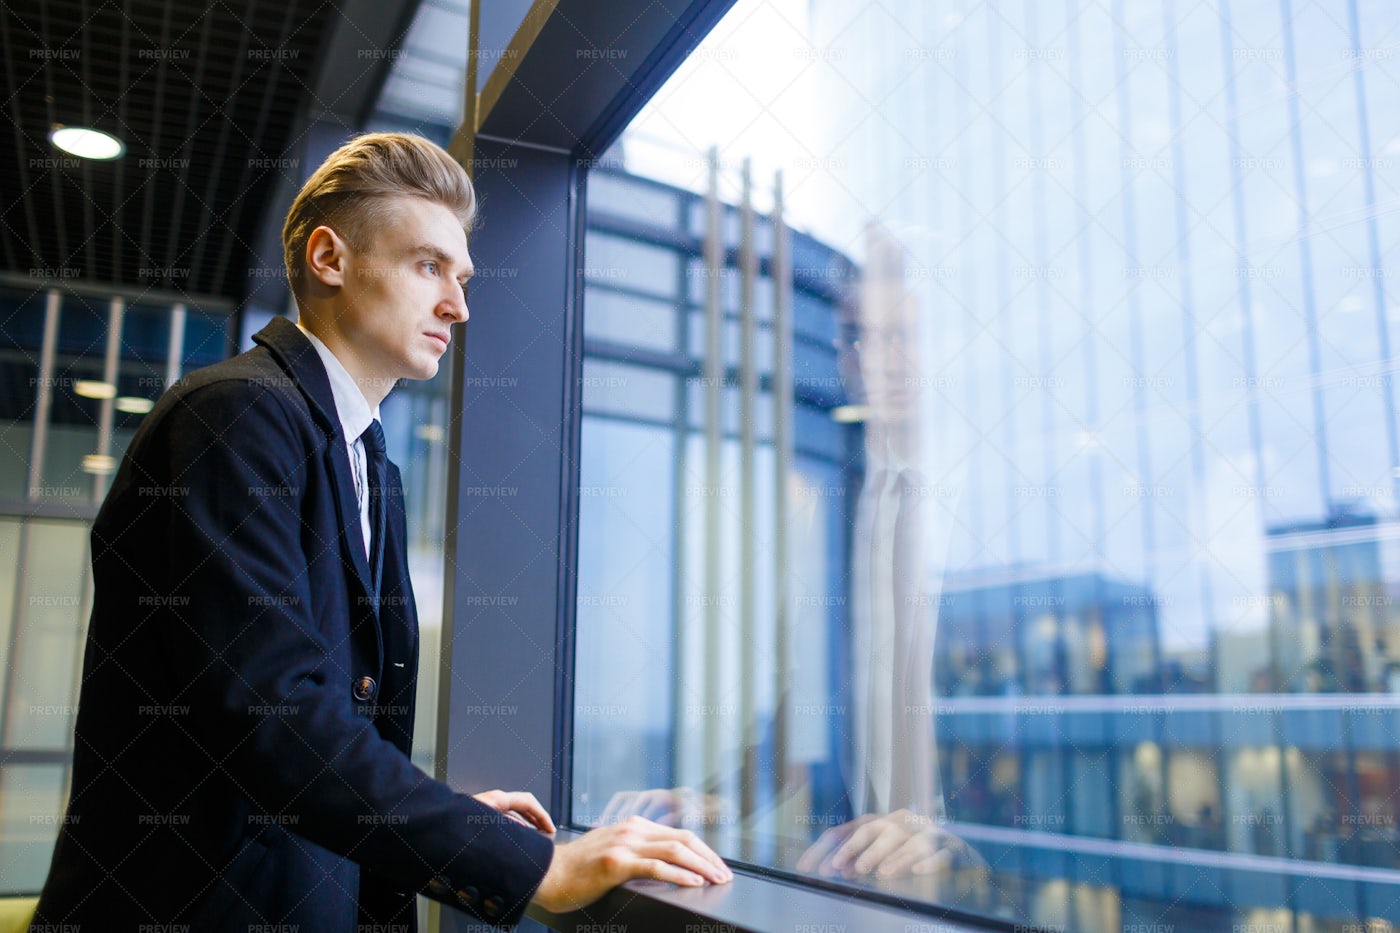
(299, 358)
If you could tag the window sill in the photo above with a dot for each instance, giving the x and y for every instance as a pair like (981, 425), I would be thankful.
(752, 903)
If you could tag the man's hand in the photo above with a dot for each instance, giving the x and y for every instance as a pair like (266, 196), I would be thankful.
(520, 806)
(598, 861)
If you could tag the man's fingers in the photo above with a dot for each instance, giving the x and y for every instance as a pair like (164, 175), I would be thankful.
(520, 806)
(717, 869)
(584, 869)
(696, 844)
(640, 832)
(675, 852)
(492, 798)
(526, 804)
(664, 871)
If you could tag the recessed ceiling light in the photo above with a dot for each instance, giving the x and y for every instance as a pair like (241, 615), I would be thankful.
(89, 144)
(134, 404)
(849, 414)
(91, 388)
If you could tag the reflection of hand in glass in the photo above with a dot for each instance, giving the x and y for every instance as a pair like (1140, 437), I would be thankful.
(677, 806)
(890, 845)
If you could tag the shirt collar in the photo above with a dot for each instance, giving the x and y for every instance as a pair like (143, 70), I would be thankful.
(350, 403)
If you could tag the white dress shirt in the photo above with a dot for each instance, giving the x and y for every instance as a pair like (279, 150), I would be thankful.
(355, 415)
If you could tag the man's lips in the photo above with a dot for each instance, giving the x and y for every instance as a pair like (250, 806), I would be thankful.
(444, 339)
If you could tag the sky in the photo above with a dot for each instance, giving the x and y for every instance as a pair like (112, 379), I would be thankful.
(750, 91)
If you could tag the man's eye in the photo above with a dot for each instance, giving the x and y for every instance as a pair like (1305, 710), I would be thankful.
(431, 267)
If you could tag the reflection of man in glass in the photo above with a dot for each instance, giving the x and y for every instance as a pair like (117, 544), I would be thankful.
(890, 762)
(894, 763)
(892, 768)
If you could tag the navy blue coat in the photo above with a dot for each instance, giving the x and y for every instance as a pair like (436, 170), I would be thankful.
(245, 720)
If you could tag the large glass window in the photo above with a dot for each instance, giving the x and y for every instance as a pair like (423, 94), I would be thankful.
(998, 510)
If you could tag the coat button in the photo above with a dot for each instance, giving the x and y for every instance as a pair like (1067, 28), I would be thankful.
(364, 688)
(492, 907)
(467, 896)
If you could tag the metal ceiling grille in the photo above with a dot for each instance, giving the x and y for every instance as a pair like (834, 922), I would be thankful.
(205, 97)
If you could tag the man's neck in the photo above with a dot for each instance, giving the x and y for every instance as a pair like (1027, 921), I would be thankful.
(372, 387)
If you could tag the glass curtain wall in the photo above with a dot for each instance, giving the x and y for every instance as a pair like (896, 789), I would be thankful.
(1070, 596)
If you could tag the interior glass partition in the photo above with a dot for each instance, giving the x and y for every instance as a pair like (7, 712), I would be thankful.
(81, 369)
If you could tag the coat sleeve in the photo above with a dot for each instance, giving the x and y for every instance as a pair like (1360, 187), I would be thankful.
(255, 668)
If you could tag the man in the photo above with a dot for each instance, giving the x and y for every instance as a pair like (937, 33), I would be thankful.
(246, 715)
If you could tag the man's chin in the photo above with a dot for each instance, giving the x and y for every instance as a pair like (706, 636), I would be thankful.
(426, 369)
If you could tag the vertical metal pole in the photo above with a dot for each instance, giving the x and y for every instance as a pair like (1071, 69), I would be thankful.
(44, 400)
(116, 310)
(682, 555)
(748, 548)
(714, 438)
(780, 268)
(175, 350)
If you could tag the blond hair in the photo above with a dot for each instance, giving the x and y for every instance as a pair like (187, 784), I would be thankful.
(351, 192)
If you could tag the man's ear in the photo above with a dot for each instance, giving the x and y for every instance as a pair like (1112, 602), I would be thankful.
(326, 253)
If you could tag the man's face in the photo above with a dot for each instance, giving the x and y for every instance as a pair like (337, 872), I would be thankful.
(401, 294)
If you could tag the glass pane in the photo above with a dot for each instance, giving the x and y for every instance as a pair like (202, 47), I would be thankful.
(631, 198)
(21, 333)
(32, 798)
(633, 265)
(50, 563)
(74, 388)
(628, 390)
(1073, 600)
(625, 583)
(629, 319)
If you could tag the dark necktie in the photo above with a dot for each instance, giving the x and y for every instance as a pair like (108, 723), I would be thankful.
(377, 463)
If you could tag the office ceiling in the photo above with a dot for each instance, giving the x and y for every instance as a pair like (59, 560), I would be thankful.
(207, 98)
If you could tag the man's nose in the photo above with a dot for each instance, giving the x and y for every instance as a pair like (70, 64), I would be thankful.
(454, 306)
